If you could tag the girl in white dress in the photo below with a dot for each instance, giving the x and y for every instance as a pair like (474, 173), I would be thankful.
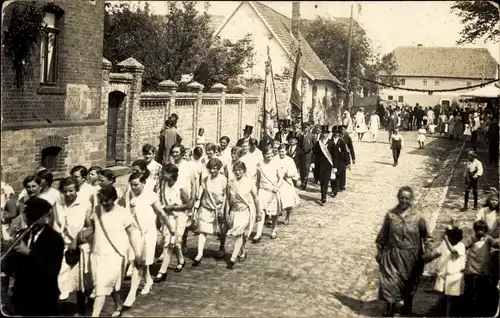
(145, 208)
(210, 214)
(148, 153)
(48, 193)
(80, 174)
(374, 125)
(210, 152)
(72, 212)
(177, 201)
(467, 132)
(142, 167)
(112, 228)
(242, 210)
(93, 178)
(269, 181)
(421, 137)
(361, 128)
(288, 195)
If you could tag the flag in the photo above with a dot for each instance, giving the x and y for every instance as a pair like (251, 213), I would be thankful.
(295, 98)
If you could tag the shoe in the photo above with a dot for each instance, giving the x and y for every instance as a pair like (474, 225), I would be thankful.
(117, 313)
(286, 222)
(161, 277)
(242, 257)
(197, 262)
(303, 187)
(464, 209)
(274, 235)
(231, 264)
(221, 253)
(146, 289)
(63, 297)
(179, 267)
(256, 240)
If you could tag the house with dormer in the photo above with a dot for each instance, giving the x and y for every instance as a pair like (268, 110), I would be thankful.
(280, 34)
(435, 68)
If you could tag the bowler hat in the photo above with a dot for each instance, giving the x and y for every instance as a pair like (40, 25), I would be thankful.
(35, 208)
(248, 129)
(325, 129)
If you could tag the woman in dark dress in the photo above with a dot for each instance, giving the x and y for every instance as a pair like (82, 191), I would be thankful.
(400, 254)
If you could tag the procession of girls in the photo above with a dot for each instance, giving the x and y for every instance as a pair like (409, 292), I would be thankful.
(207, 190)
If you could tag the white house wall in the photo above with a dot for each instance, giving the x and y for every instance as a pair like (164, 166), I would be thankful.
(245, 20)
(424, 99)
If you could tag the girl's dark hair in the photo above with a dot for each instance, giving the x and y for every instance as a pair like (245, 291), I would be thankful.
(144, 167)
(406, 189)
(236, 149)
(66, 182)
(454, 235)
(214, 163)
(253, 141)
(282, 146)
(493, 193)
(31, 178)
(210, 147)
(109, 192)
(47, 176)
(240, 165)
(83, 171)
(266, 149)
(198, 152)
(480, 225)
(108, 174)
(148, 148)
(181, 148)
(171, 169)
(217, 148)
(138, 175)
(97, 169)
(226, 138)
(186, 151)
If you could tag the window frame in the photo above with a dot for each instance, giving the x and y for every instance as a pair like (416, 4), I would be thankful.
(424, 82)
(402, 82)
(390, 97)
(401, 99)
(54, 159)
(438, 83)
(46, 33)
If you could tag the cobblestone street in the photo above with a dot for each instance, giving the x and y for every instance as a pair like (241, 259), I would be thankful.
(322, 264)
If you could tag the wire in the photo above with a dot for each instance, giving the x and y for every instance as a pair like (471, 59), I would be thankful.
(428, 90)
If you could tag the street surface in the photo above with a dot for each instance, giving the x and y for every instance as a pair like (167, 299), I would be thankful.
(322, 264)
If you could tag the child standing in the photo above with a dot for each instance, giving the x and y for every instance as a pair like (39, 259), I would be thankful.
(477, 270)
(432, 128)
(467, 132)
(421, 137)
(200, 139)
(451, 264)
(397, 143)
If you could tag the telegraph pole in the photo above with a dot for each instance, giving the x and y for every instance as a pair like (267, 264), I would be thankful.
(348, 72)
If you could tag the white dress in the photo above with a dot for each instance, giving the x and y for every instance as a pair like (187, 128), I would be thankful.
(172, 196)
(141, 207)
(374, 124)
(108, 264)
(467, 131)
(421, 134)
(269, 174)
(288, 195)
(360, 123)
(450, 277)
(69, 221)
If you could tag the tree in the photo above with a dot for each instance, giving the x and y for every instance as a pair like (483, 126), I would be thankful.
(480, 20)
(168, 46)
(379, 69)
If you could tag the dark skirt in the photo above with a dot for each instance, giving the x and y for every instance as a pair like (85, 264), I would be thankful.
(400, 270)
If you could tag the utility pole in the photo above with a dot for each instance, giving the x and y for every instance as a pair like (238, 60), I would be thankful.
(348, 72)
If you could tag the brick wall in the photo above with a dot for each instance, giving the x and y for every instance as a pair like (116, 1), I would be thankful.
(66, 114)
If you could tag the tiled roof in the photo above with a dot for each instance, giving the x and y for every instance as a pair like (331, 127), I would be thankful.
(280, 25)
(456, 62)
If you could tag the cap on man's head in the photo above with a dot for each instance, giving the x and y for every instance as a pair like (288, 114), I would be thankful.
(36, 208)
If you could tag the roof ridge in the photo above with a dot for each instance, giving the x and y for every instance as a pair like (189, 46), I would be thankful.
(440, 47)
(272, 9)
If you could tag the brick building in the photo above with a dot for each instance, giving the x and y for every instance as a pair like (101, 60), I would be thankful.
(56, 119)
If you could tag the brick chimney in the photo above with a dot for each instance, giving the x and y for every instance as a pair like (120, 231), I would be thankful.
(295, 18)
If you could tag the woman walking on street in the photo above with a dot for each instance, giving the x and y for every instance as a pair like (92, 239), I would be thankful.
(288, 195)
(243, 209)
(374, 125)
(402, 242)
(361, 128)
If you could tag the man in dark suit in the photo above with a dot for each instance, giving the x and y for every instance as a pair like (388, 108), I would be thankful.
(297, 154)
(323, 161)
(341, 161)
(36, 263)
(285, 129)
(348, 141)
(247, 133)
(308, 141)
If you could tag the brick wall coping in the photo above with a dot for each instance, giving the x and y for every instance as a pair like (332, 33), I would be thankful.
(54, 124)
(234, 96)
(120, 78)
(155, 95)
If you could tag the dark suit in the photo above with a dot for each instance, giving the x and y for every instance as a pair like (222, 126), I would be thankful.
(281, 137)
(298, 157)
(308, 142)
(341, 160)
(241, 141)
(350, 146)
(36, 290)
(323, 168)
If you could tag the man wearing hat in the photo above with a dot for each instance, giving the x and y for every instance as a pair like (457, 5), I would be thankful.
(323, 162)
(282, 134)
(308, 142)
(247, 133)
(341, 161)
(35, 263)
(348, 141)
(297, 154)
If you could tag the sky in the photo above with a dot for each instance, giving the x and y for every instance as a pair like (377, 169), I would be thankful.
(387, 24)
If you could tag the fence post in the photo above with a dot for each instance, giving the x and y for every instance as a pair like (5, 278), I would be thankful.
(170, 87)
(196, 87)
(219, 88)
(240, 89)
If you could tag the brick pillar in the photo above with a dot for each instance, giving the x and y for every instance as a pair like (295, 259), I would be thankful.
(133, 150)
(170, 87)
(106, 69)
(221, 89)
(240, 89)
(197, 88)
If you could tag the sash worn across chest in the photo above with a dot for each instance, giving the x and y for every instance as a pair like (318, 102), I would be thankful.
(325, 151)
